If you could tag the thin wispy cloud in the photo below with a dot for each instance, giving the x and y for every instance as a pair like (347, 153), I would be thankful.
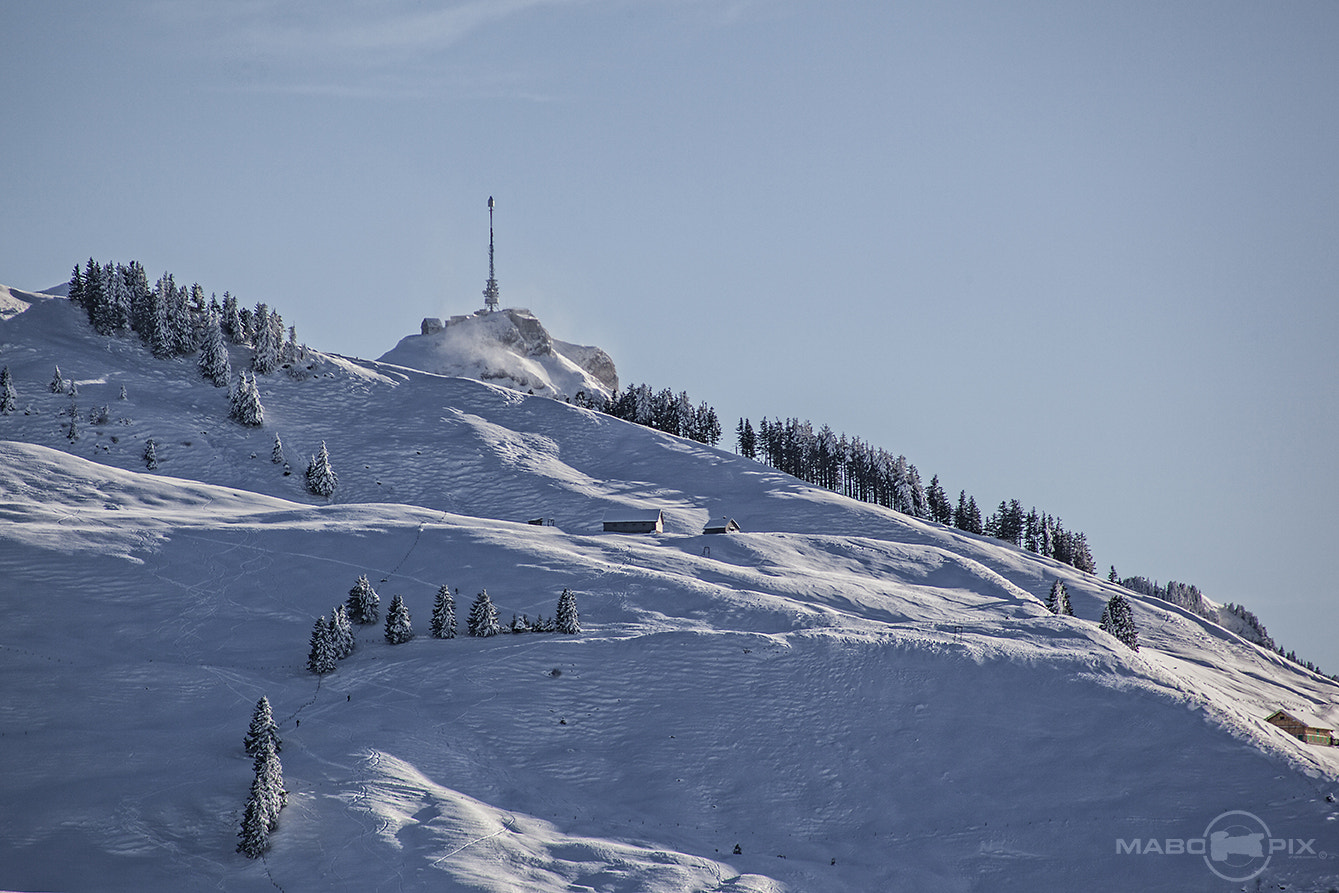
(366, 49)
(362, 31)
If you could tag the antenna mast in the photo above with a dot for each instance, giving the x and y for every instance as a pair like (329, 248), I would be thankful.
(491, 289)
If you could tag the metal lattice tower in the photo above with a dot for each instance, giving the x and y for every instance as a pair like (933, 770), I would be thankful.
(491, 289)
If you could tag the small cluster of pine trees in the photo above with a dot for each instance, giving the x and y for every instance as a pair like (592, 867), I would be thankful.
(332, 639)
(861, 471)
(267, 797)
(662, 410)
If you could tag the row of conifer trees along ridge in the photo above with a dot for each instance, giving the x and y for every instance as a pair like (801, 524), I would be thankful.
(861, 471)
(175, 321)
(662, 410)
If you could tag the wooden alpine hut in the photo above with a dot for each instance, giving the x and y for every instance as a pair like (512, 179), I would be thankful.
(1302, 726)
(634, 521)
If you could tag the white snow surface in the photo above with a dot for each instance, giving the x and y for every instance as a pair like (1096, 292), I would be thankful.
(860, 700)
(511, 348)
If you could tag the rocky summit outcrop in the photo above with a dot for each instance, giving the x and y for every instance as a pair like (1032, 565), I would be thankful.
(509, 347)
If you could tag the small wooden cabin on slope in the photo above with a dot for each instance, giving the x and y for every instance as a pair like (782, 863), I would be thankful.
(1302, 727)
(634, 521)
(721, 525)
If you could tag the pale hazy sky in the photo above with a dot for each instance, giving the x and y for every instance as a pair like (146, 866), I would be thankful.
(1084, 257)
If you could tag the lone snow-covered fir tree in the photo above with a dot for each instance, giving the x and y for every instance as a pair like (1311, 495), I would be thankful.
(1058, 601)
(398, 627)
(443, 624)
(321, 478)
(482, 621)
(1118, 619)
(567, 621)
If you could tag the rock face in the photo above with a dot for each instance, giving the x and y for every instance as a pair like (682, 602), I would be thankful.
(511, 348)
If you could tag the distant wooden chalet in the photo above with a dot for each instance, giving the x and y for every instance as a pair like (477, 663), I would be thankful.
(1302, 727)
(634, 521)
(721, 525)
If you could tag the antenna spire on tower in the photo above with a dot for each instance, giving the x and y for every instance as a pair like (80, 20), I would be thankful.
(491, 289)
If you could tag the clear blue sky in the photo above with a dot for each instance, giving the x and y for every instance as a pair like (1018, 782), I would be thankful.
(1084, 257)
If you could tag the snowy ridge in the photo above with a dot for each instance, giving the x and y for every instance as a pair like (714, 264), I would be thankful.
(858, 699)
(511, 348)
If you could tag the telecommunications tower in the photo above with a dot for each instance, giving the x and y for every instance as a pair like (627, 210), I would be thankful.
(490, 290)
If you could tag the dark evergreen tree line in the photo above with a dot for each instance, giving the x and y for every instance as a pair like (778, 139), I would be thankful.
(662, 410)
(174, 320)
(854, 468)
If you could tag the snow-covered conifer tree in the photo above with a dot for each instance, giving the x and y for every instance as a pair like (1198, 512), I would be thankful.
(269, 776)
(482, 621)
(254, 835)
(321, 657)
(277, 454)
(262, 727)
(116, 300)
(266, 357)
(343, 632)
(246, 407)
(398, 627)
(1057, 602)
(289, 354)
(181, 327)
(746, 441)
(321, 478)
(214, 363)
(9, 398)
(57, 385)
(150, 454)
(76, 290)
(443, 624)
(1118, 619)
(364, 604)
(162, 338)
(567, 620)
(231, 322)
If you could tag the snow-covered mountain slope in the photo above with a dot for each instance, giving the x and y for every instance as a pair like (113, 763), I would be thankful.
(859, 700)
(511, 348)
